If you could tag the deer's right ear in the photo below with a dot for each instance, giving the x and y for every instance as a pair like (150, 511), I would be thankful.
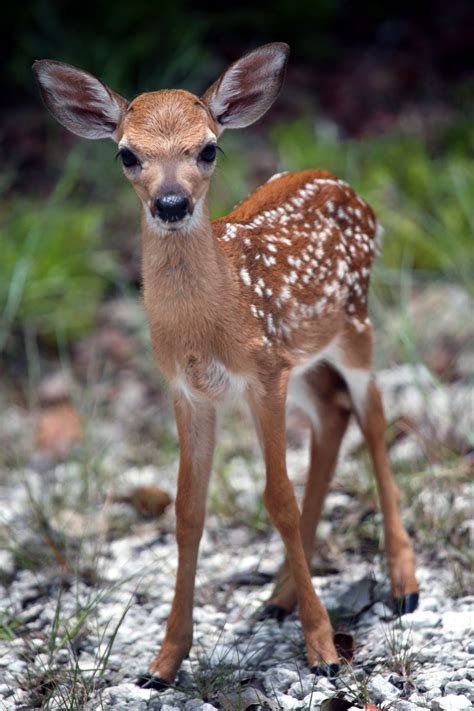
(79, 101)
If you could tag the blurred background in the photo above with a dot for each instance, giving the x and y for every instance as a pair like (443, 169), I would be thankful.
(381, 93)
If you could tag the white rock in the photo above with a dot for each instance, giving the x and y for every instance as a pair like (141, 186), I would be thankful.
(288, 702)
(7, 562)
(463, 686)
(197, 704)
(417, 699)
(420, 619)
(451, 703)
(313, 701)
(458, 622)
(17, 667)
(88, 664)
(279, 679)
(324, 684)
(5, 690)
(432, 694)
(382, 690)
(223, 654)
(432, 680)
(303, 687)
(402, 705)
(430, 603)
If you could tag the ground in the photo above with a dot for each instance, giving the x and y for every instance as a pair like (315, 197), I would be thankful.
(88, 554)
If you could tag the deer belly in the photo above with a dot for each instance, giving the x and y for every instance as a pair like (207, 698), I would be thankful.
(211, 380)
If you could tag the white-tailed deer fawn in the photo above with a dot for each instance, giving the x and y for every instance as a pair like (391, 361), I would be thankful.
(269, 300)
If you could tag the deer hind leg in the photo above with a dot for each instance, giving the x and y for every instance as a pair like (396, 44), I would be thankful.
(269, 412)
(329, 413)
(399, 550)
(196, 430)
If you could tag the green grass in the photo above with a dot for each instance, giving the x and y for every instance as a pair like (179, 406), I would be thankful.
(54, 270)
(59, 254)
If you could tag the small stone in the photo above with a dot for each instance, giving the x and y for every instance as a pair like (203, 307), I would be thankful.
(463, 686)
(433, 693)
(382, 690)
(402, 705)
(420, 619)
(6, 691)
(470, 648)
(429, 603)
(458, 622)
(303, 687)
(7, 562)
(223, 655)
(432, 680)
(451, 703)
(17, 667)
(126, 695)
(193, 704)
(313, 701)
(417, 699)
(324, 684)
(288, 702)
(379, 609)
(279, 679)
(87, 663)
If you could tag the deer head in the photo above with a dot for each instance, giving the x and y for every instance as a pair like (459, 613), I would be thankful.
(167, 139)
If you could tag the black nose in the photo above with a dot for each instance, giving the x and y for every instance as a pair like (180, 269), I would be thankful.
(172, 207)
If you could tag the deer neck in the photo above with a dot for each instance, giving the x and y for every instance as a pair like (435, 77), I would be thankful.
(187, 288)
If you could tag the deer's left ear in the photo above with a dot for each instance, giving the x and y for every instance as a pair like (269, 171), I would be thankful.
(249, 87)
(78, 100)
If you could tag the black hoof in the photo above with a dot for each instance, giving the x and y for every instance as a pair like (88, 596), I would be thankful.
(406, 603)
(148, 681)
(328, 670)
(273, 612)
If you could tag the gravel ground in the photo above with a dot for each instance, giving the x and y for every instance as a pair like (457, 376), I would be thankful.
(425, 659)
(86, 587)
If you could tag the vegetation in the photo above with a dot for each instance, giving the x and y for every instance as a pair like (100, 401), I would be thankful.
(61, 255)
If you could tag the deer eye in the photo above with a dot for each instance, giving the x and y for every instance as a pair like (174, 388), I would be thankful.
(208, 153)
(128, 158)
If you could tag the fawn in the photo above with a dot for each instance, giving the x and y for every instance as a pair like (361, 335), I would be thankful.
(268, 301)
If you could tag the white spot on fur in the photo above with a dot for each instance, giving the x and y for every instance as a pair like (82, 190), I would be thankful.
(245, 276)
(277, 175)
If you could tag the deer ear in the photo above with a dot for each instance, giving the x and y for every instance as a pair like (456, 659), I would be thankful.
(78, 100)
(249, 87)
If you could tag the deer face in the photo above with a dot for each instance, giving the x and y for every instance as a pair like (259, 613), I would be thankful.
(167, 139)
(167, 144)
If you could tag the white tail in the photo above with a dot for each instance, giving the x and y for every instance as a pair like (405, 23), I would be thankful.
(268, 300)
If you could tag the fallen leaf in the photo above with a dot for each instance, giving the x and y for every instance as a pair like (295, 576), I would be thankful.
(336, 704)
(58, 428)
(344, 644)
(148, 501)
